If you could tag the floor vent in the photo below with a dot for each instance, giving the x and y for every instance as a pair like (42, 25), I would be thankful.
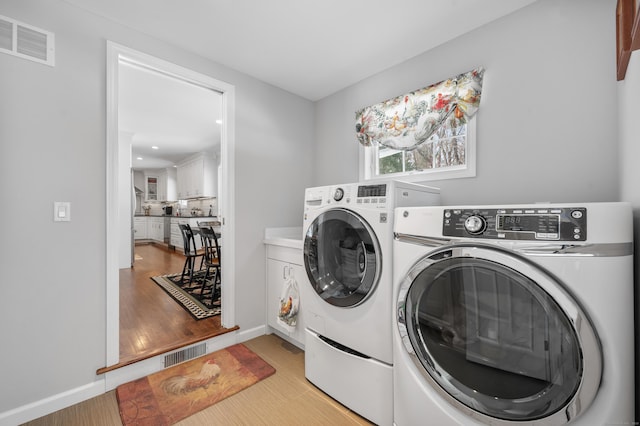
(185, 355)
(26, 41)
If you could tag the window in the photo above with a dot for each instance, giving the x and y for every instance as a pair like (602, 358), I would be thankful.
(448, 154)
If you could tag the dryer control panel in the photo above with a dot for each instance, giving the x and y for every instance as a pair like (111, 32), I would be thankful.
(535, 223)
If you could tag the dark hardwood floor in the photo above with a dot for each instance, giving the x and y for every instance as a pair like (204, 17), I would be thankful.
(151, 322)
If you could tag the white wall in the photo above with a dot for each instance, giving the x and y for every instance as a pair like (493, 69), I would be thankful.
(52, 148)
(547, 120)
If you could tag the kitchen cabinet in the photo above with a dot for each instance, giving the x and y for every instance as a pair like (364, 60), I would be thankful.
(151, 186)
(160, 185)
(176, 236)
(139, 228)
(155, 229)
(283, 262)
(169, 182)
(148, 228)
(197, 177)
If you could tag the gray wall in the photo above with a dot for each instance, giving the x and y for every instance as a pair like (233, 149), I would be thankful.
(53, 148)
(629, 108)
(547, 121)
(555, 142)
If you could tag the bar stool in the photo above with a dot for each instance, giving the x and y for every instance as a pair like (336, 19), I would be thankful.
(190, 252)
(211, 262)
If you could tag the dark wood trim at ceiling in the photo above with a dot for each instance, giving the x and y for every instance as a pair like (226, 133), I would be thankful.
(627, 34)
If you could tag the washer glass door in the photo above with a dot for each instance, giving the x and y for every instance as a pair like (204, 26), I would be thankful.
(497, 334)
(342, 257)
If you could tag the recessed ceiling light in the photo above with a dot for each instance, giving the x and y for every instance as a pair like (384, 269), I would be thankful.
(139, 158)
(154, 147)
(218, 121)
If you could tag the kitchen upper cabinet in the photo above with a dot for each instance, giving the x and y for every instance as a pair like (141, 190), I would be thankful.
(151, 183)
(160, 185)
(198, 177)
(170, 182)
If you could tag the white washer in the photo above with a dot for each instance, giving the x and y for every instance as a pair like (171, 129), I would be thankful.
(519, 314)
(348, 233)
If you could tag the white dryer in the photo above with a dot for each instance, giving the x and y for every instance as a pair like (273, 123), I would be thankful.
(513, 315)
(348, 234)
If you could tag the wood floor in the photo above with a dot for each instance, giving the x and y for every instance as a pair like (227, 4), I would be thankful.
(286, 398)
(151, 322)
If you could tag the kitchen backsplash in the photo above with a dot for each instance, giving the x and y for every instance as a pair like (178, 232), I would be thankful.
(200, 207)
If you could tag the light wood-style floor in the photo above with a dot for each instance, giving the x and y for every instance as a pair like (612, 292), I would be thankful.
(286, 398)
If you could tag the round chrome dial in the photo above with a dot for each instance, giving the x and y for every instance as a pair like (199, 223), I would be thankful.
(338, 194)
(475, 224)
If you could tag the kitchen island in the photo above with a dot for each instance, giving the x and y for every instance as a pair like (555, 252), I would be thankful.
(162, 229)
(176, 241)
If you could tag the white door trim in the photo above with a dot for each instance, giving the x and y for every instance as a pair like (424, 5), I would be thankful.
(116, 52)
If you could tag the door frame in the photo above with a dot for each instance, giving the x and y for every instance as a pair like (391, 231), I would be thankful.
(115, 167)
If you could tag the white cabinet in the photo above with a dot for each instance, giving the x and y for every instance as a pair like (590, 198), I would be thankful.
(140, 228)
(171, 191)
(148, 228)
(176, 236)
(283, 262)
(160, 185)
(197, 177)
(151, 182)
(155, 228)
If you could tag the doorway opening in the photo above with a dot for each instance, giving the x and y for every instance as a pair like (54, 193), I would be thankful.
(119, 183)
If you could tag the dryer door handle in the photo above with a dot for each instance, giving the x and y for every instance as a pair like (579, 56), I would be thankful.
(592, 250)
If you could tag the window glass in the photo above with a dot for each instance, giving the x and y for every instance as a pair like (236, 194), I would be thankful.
(449, 153)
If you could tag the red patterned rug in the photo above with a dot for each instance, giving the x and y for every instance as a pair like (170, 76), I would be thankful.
(166, 397)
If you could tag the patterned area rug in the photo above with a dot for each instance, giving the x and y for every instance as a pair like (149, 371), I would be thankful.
(166, 397)
(189, 297)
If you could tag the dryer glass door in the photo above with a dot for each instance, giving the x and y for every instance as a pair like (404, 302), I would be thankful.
(342, 257)
(496, 334)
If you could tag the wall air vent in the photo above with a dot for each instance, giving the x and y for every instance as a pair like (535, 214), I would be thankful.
(185, 355)
(26, 41)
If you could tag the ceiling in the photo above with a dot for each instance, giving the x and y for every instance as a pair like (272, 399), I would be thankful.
(176, 117)
(310, 48)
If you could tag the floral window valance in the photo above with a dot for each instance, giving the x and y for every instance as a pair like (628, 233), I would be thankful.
(407, 121)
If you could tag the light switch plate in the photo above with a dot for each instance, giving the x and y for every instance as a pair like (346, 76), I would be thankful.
(62, 211)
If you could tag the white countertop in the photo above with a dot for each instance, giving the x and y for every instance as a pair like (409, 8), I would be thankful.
(285, 237)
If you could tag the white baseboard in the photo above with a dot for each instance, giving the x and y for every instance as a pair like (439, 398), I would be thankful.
(244, 335)
(52, 404)
(294, 342)
(113, 379)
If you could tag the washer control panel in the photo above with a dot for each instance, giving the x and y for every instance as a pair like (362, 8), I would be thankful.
(541, 224)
